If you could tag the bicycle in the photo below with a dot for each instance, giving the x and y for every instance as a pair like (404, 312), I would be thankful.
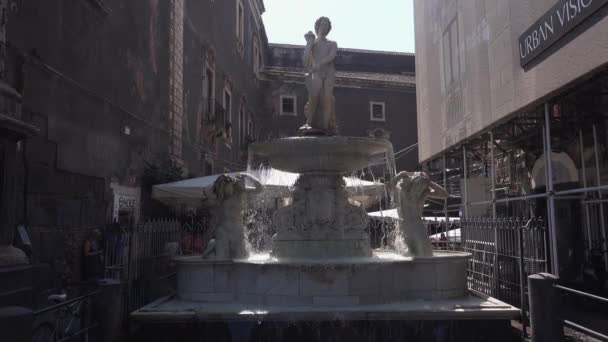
(66, 323)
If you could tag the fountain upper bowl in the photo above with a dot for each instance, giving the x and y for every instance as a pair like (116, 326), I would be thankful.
(321, 154)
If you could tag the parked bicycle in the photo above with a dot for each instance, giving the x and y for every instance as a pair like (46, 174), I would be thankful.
(65, 319)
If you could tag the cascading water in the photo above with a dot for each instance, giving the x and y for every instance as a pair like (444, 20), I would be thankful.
(364, 188)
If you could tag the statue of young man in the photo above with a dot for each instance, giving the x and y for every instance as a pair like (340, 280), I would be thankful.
(318, 59)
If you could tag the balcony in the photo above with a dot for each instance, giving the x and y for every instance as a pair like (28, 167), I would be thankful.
(214, 124)
(12, 123)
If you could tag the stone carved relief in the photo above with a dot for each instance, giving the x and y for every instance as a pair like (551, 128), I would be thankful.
(411, 190)
(229, 194)
(320, 209)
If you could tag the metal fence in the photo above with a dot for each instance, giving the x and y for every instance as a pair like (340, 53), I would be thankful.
(444, 236)
(141, 257)
(117, 246)
(505, 252)
(151, 274)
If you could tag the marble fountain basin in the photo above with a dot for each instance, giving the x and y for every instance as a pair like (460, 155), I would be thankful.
(320, 154)
(384, 278)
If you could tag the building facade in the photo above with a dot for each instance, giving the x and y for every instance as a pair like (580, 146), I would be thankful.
(512, 104)
(122, 96)
(117, 96)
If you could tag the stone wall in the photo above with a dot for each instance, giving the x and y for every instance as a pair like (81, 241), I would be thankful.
(210, 40)
(95, 83)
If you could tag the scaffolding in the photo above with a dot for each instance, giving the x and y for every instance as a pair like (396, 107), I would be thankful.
(508, 172)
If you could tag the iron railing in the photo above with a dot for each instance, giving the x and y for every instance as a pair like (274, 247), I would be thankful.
(505, 252)
(151, 274)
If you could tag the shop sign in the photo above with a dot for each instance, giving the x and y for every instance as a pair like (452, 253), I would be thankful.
(553, 25)
(126, 202)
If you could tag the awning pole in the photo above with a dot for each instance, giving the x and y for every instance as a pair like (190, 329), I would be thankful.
(599, 194)
(495, 226)
(586, 205)
(550, 191)
(445, 201)
(464, 190)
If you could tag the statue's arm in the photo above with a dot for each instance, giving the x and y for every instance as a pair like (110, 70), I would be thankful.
(209, 196)
(393, 182)
(257, 186)
(307, 56)
(438, 191)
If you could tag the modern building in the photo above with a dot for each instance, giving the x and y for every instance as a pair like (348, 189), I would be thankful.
(512, 94)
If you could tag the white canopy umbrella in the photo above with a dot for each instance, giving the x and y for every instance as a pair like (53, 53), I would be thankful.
(453, 235)
(190, 191)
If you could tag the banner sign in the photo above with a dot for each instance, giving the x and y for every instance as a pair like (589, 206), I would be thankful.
(559, 20)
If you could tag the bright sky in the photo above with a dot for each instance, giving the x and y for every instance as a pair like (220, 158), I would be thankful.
(358, 24)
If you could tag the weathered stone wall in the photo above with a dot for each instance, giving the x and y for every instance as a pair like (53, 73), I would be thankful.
(352, 115)
(95, 83)
(284, 55)
(210, 30)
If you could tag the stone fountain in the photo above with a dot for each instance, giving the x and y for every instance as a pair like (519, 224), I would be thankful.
(321, 265)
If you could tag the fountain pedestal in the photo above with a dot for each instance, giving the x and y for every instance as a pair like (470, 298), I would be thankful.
(320, 223)
(321, 266)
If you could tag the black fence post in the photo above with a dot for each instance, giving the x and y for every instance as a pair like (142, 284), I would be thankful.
(522, 282)
(544, 308)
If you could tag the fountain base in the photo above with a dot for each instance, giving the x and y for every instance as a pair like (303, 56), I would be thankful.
(386, 286)
(383, 278)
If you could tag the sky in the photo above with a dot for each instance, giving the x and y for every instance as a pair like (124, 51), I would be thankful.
(386, 25)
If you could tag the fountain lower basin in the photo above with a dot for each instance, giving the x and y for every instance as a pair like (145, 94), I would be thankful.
(382, 278)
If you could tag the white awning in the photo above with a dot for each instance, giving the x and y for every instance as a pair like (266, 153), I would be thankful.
(392, 213)
(451, 236)
(190, 191)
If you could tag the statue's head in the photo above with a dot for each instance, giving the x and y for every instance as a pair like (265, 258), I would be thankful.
(225, 186)
(323, 26)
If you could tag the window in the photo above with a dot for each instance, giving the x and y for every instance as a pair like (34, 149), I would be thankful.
(256, 65)
(227, 114)
(209, 92)
(242, 126)
(258, 59)
(208, 165)
(288, 105)
(451, 60)
(240, 23)
(377, 111)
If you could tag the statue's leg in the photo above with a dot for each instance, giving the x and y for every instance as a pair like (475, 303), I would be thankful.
(418, 240)
(329, 110)
(240, 244)
(414, 232)
(316, 85)
(221, 244)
